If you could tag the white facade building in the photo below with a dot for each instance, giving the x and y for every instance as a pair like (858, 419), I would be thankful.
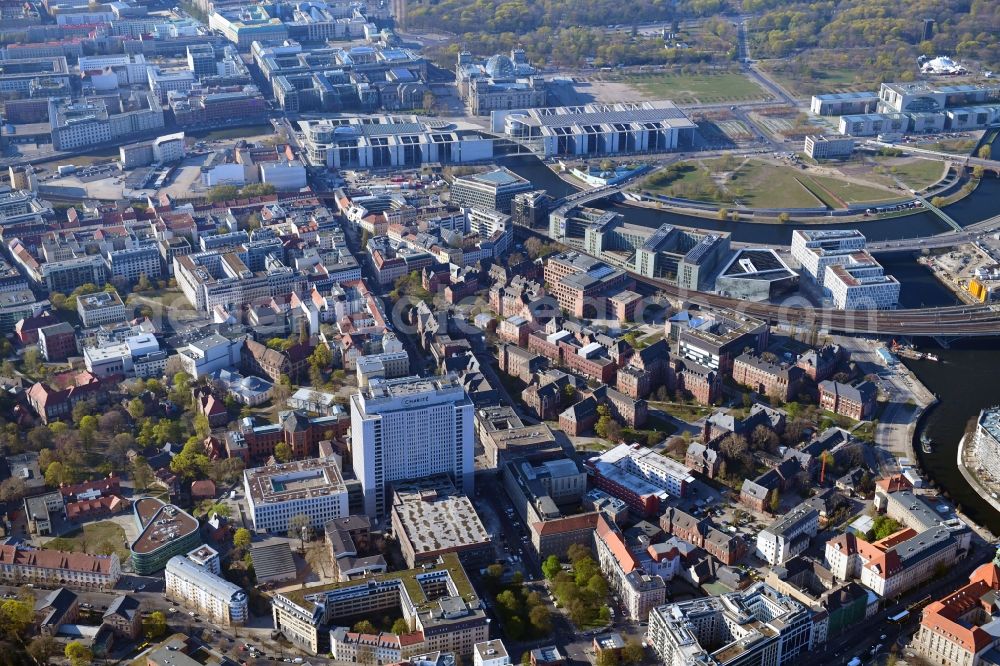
(105, 307)
(860, 283)
(196, 587)
(490, 653)
(789, 535)
(411, 428)
(313, 488)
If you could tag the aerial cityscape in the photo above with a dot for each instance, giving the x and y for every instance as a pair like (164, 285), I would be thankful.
(488, 332)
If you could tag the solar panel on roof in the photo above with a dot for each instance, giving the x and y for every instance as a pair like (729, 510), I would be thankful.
(599, 272)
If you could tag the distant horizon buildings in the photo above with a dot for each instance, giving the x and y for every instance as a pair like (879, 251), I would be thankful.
(411, 428)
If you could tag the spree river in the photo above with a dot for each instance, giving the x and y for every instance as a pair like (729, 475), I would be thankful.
(980, 205)
(967, 378)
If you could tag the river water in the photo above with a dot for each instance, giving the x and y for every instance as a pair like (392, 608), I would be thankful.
(967, 378)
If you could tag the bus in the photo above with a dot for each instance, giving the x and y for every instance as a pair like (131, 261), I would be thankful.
(899, 618)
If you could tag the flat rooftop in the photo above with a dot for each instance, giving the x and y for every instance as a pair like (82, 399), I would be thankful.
(100, 300)
(435, 517)
(296, 480)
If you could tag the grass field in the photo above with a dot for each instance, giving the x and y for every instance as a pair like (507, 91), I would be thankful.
(754, 183)
(95, 538)
(694, 88)
(852, 192)
(765, 185)
(917, 173)
(823, 79)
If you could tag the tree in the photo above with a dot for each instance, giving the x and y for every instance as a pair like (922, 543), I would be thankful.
(364, 627)
(142, 474)
(722, 213)
(112, 423)
(192, 461)
(298, 528)
(31, 360)
(734, 447)
(241, 538)
(540, 619)
(43, 648)
(155, 626)
(551, 566)
(136, 408)
(985, 152)
(258, 190)
(55, 474)
(283, 452)
(775, 501)
(16, 615)
(78, 653)
(784, 218)
(282, 390)
(429, 101)
(633, 653)
(400, 627)
(202, 428)
(764, 439)
(223, 193)
(12, 489)
(607, 658)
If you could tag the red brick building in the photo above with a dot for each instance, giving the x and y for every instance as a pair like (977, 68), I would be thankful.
(854, 402)
(519, 363)
(775, 380)
(302, 433)
(704, 384)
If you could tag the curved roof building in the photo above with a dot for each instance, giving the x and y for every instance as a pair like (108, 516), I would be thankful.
(166, 530)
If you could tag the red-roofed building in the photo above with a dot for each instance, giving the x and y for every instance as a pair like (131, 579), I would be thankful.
(19, 566)
(202, 489)
(52, 404)
(93, 509)
(91, 489)
(951, 629)
(638, 591)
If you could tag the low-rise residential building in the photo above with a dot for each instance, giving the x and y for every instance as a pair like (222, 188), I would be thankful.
(20, 566)
(124, 617)
(727, 548)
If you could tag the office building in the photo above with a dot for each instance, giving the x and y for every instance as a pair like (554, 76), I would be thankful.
(986, 443)
(899, 562)
(430, 518)
(194, 586)
(756, 274)
(960, 629)
(816, 249)
(57, 342)
(165, 531)
(104, 307)
(537, 493)
(828, 148)
(756, 625)
(313, 488)
(843, 104)
(389, 141)
(505, 436)
(437, 601)
(199, 107)
(860, 283)
(597, 128)
(789, 535)
(201, 60)
(411, 428)
(713, 339)
(642, 477)
(387, 365)
(492, 190)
